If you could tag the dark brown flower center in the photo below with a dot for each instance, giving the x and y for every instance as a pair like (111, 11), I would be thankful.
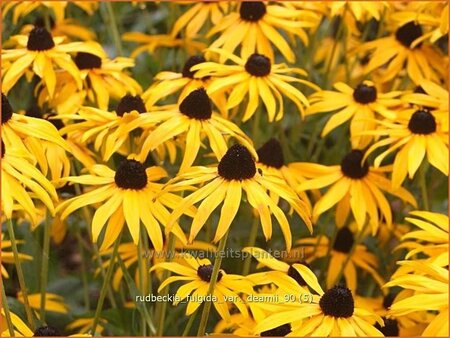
(271, 154)
(258, 65)
(7, 111)
(365, 94)
(128, 103)
(34, 111)
(197, 105)
(131, 175)
(388, 300)
(344, 240)
(40, 22)
(87, 61)
(237, 164)
(40, 39)
(422, 122)
(337, 302)
(252, 10)
(408, 33)
(205, 273)
(2, 150)
(191, 62)
(390, 328)
(47, 331)
(279, 331)
(351, 165)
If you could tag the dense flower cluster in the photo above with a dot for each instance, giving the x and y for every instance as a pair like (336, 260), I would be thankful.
(145, 144)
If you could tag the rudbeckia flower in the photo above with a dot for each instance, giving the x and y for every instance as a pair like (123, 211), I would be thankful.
(404, 48)
(316, 247)
(84, 326)
(225, 182)
(20, 328)
(8, 256)
(197, 273)
(355, 186)
(151, 42)
(255, 28)
(257, 78)
(129, 253)
(192, 21)
(193, 117)
(108, 131)
(413, 134)
(330, 313)
(22, 182)
(41, 52)
(238, 325)
(429, 281)
(129, 195)
(167, 83)
(360, 104)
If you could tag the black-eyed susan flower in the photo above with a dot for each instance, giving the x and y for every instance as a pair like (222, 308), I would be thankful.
(167, 83)
(355, 186)
(195, 17)
(360, 104)
(53, 302)
(129, 254)
(403, 49)
(257, 78)
(84, 326)
(330, 313)
(429, 282)
(197, 273)
(236, 172)
(195, 118)
(129, 195)
(238, 324)
(22, 182)
(413, 134)
(8, 256)
(256, 28)
(41, 53)
(108, 131)
(316, 247)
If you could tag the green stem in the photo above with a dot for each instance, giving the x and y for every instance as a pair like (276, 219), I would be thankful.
(106, 282)
(6, 309)
(114, 28)
(423, 186)
(162, 306)
(189, 324)
(251, 242)
(44, 266)
(84, 278)
(22, 284)
(212, 284)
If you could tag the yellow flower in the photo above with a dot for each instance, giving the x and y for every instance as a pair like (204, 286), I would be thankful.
(129, 195)
(53, 302)
(8, 256)
(358, 104)
(20, 328)
(255, 28)
(225, 182)
(404, 49)
(355, 186)
(41, 52)
(330, 313)
(195, 118)
(413, 134)
(255, 77)
(197, 272)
